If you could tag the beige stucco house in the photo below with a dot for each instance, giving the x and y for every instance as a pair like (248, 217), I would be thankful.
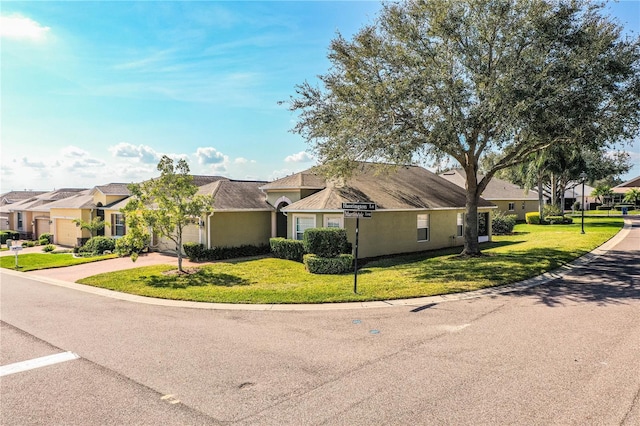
(9, 198)
(508, 197)
(416, 209)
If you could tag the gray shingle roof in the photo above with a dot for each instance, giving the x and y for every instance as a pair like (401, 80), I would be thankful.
(114, 189)
(497, 189)
(624, 187)
(307, 179)
(402, 188)
(15, 196)
(232, 195)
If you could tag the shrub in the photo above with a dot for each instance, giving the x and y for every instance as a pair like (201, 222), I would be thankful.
(46, 236)
(43, 241)
(98, 245)
(128, 245)
(532, 218)
(29, 244)
(284, 248)
(558, 220)
(502, 224)
(48, 248)
(8, 235)
(551, 210)
(603, 208)
(325, 242)
(197, 252)
(328, 265)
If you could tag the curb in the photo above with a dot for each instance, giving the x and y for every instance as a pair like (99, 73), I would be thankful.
(415, 302)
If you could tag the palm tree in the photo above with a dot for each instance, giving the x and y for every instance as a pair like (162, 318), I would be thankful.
(632, 196)
(601, 192)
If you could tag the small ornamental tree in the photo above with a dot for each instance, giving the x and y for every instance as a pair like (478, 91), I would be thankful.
(96, 224)
(167, 204)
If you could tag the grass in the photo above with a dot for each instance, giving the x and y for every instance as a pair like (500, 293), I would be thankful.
(531, 250)
(34, 261)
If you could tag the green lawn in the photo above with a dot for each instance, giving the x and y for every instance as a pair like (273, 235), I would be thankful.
(33, 261)
(530, 251)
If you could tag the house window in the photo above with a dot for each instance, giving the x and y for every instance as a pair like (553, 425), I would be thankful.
(303, 223)
(117, 223)
(333, 222)
(512, 206)
(19, 220)
(423, 227)
(460, 225)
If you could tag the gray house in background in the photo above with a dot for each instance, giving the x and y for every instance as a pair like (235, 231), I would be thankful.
(510, 198)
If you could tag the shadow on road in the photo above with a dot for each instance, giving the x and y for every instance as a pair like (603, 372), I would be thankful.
(611, 279)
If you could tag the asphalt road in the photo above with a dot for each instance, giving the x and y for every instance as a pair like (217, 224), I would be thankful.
(563, 353)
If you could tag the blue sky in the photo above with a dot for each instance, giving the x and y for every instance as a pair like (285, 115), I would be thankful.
(96, 92)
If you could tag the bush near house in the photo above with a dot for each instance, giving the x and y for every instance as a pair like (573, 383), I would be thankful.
(503, 224)
(325, 242)
(532, 218)
(198, 252)
(284, 248)
(328, 265)
(8, 235)
(98, 245)
(326, 249)
(46, 236)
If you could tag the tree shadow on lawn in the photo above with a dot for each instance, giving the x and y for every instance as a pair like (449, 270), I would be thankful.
(495, 268)
(200, 278)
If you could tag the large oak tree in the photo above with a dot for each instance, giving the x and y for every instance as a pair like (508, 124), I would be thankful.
(462, 79)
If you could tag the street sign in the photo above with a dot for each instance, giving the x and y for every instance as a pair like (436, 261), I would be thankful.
(359, 206)
(16, 248)
(357, 214)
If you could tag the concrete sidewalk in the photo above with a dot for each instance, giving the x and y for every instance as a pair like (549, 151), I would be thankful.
(628, 239)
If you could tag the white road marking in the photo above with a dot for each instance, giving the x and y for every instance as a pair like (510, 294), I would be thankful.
(31, 364)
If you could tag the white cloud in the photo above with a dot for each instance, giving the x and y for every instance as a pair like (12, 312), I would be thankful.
(143, 153)
(300, 157)
(242, 160)
(33, 164)
(74, 152)
(210, 155)
(22, 28)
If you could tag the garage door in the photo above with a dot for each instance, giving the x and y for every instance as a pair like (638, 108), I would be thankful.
(42, 226)
(66, 232)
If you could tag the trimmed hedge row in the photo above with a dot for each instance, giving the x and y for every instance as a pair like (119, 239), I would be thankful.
(8, 235)
(328, 265)
(198, 252)
(325, 242)
(284, 248)
(533, 218)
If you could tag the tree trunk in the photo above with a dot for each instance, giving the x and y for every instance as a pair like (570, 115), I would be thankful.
(179, 250)
(471, 245)
(540, 198)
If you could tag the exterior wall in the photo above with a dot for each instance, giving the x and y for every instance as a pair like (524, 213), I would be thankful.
(529, 206)
(190, 234)
(230, 229)
(65, 232)
(293, 195)
(274, 196)
(395, 232)
(100, 198)
(109, 230)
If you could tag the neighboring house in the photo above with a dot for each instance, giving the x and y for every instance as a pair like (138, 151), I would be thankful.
(30, 217)
(510, 198)
(416, 209)
(12, 197)
(241, 215)
(619, 191)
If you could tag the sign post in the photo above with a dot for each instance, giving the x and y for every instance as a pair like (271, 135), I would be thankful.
(16, 249)
(357, 210)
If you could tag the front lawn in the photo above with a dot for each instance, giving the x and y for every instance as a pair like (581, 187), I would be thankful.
(34, 261)
(532, 250)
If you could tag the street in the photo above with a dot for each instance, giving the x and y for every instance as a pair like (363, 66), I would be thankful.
(564, 353)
